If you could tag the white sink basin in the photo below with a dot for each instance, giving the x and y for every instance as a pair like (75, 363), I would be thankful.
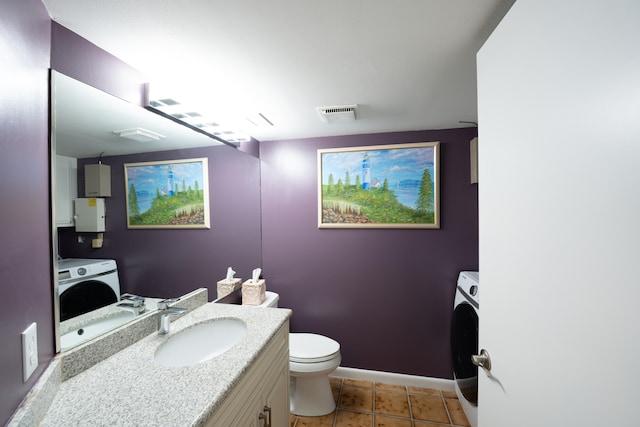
(92, 329)
(201, 342)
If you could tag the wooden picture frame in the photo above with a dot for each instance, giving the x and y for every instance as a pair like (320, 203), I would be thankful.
(385, 186)
(167, 194)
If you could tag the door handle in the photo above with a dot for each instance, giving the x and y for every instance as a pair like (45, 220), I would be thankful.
(482, 360)
(263, 417)
(267, 409)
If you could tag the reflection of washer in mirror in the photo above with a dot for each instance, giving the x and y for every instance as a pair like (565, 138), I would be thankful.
(464, 342)
(85, 285)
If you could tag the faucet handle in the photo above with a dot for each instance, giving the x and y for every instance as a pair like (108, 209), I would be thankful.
(164, 304)
(135, 299)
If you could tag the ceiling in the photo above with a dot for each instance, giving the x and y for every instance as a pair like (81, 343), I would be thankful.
(86, 118)
(407, 64)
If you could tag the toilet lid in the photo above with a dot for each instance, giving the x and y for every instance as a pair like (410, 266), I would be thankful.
(309, 348)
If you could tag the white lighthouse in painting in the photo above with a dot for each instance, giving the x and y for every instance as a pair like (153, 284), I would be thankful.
(366, 173)
(170, 182)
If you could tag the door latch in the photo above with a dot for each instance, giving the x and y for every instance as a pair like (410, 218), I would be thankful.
(482, 360)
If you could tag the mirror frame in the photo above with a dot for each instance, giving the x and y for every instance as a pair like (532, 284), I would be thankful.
(52, 204)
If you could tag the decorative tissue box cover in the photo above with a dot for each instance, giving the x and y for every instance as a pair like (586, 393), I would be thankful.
(253, 293)
(226, 287)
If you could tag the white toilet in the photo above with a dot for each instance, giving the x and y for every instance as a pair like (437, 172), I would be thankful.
(312, 358)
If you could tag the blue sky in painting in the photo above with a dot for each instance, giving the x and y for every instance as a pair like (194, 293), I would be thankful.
(395, 165)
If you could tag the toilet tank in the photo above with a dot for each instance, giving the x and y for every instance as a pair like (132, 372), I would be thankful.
(271, 299)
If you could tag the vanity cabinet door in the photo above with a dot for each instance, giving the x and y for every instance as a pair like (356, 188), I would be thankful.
(272, 407)
(264, 389)
(278, 399)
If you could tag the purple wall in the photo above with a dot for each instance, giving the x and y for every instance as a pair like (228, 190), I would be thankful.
(170, 263)
(250, 147)
(25, 251)
(385, 295)
(76, 57)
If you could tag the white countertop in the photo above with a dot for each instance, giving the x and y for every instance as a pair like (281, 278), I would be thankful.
(130, 388)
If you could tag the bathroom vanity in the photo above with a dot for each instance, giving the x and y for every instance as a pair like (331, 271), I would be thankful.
(261, 397)
(246, 385)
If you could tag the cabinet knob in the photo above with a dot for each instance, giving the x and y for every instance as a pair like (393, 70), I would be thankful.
(264, 417)
(267, 417)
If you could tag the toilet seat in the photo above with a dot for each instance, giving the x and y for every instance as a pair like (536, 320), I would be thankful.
(312, 348)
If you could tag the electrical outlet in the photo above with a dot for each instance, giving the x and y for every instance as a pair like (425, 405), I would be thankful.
(29, 351)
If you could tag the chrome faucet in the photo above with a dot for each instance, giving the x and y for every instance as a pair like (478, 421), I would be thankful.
(133, 303)
(164, 322)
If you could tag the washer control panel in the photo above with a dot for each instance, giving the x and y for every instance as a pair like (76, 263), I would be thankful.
(469, 282)
(73, 268)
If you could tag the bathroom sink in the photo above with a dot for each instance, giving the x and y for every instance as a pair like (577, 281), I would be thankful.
(91, 329)
(201, 342)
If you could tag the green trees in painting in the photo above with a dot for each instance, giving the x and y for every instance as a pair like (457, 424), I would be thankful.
(378, 204)
(168, 209)
(134, 209)
(425, 195)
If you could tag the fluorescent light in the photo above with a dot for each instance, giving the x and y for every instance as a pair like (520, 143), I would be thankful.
(193, 114)
(139, 134)
(259, 120)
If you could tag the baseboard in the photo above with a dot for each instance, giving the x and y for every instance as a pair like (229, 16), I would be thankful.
(393, 378)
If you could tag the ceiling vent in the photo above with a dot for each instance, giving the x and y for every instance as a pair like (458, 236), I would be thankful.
(338, 114)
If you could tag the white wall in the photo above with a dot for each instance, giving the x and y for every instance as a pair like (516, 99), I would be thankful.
(559, 130)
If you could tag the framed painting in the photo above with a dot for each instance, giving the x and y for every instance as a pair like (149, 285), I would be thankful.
(384, 186)
(167, 194)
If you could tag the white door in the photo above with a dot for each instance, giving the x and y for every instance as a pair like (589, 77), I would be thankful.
(559, 194)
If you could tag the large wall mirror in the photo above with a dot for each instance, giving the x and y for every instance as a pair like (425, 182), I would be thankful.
(150, 263)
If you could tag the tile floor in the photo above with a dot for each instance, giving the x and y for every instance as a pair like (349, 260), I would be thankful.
(368, 404)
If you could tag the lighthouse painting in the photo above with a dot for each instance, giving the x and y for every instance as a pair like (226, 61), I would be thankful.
(387, 186)
(168, 194)
(366, 172)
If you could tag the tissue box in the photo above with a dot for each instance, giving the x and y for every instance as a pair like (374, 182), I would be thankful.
(225, 287)
(253, 293)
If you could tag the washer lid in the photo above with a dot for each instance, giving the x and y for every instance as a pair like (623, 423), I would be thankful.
(310, 348)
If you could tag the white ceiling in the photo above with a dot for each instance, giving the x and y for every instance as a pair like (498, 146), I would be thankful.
(408, 64)
(86, 118)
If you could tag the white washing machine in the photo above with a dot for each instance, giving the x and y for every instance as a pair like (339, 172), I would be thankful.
(85, 285)
(464, 342)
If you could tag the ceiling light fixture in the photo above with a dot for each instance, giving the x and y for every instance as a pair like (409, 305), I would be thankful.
(189, 115)
(139, 134)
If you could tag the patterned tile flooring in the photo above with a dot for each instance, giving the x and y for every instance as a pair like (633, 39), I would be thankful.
(368, 404)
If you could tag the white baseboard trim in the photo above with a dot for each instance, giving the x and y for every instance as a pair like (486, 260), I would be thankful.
(393, 378)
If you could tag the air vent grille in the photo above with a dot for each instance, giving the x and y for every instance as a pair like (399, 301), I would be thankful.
(338, 114)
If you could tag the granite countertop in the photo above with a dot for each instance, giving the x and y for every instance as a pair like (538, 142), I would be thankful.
(103, 313)
(130, 388)
(150, 304)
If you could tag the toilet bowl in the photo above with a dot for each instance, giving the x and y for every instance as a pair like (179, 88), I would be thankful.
(312, 358)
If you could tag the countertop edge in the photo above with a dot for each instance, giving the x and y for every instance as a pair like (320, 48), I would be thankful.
(130, 381)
